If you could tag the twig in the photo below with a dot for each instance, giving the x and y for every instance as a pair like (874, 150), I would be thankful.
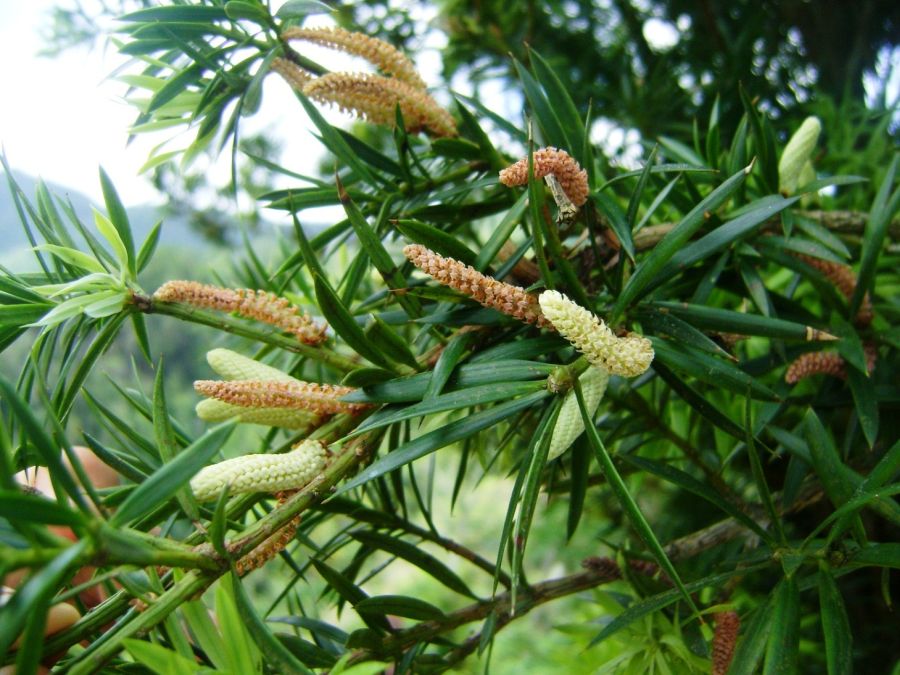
(848, 222)
(230, 325)
(526, 600)
(530, 597)
(195, 582)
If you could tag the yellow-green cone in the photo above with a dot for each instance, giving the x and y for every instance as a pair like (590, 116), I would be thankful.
(569, 423)
(234, 366)
(807, 176)
(261, 473)
(629, 356)
(798, 151)
(213, 410)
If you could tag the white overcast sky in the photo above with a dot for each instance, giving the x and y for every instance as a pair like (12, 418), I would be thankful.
(62, 118)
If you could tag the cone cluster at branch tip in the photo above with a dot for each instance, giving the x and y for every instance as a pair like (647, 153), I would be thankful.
(323, 399)
(369, 96)
(261, 473)
(724, 639)
(572, 178)
(375, 98)
(384, 56)
(259, 305)
(569, 423)
(506, 298)
(629, 356)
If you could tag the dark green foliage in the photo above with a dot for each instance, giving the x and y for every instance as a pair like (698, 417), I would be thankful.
(707, 483)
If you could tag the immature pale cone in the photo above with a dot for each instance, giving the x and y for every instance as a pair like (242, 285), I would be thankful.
(629, 356)
(797, 153)
(212, 410)
(570, 424)
(261, 473)
(233, 366)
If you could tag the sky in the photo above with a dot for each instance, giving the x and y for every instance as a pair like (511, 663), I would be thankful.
(62, 118)
(65, 117)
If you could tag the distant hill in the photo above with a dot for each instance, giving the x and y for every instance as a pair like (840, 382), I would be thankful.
(175, 231)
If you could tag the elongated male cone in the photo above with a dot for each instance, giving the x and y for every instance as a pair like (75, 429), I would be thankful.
(506, 298)
(844, 278)
(375, 98)
(259, 305)
(629, 356)
(214, 410)
(293, 74)
(384, 56)
(261, 473)
(826, 363)
(797, 153)
(298, 395)
(570, 423)
(234, 366)
(727, 626)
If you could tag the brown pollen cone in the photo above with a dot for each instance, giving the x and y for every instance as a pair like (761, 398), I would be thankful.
(384, 56)
(572, 178)
(843, 277)
(272, 546)
(724, 639)
(375, 98)
(259, 305)
(317, 398)
(293, 74)
(506, 298)
(826, 363)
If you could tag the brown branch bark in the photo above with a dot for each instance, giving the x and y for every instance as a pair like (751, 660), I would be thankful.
(846, 222)
(526, 599)
(529, 597)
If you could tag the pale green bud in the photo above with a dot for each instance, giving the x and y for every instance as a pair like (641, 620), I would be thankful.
(807, 176)
(569, 423)
(234, 366)
(628, 356)
(798, 151)
(261, 473)
(213, 410)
